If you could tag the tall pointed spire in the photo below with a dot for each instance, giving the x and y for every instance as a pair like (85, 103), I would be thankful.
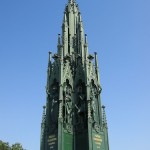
(74, 118)
(72, 30)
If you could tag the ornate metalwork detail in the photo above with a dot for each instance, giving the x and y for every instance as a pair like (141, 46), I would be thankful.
(97, 128)
(60, 110)
(69, 128)
(89, 110)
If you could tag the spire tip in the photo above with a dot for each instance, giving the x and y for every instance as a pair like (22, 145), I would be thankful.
(72, 1)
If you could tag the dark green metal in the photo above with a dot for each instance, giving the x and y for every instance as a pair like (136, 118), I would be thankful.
(73, 118)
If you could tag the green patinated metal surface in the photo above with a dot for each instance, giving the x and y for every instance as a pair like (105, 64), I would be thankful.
(73, 118)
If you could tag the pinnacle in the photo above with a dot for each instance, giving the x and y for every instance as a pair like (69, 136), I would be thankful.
(72, 1)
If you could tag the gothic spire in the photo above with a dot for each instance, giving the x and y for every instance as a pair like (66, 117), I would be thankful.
(73, 106)
(73, 39)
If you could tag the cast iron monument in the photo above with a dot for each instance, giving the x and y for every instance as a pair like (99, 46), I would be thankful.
(73, 118)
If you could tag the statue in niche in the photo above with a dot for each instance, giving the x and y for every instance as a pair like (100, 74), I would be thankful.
(47, 91)
(93, 97)
(99, 89)
(68, 103)
(80, 104)
(54, 102)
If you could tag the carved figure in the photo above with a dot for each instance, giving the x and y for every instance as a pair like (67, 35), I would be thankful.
(54, 96)
(54, 102)
(68, 103)
(93, 109)
(80, 105)
(93, 97)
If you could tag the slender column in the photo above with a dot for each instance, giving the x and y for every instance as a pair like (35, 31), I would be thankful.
(88, 102)
(97, 68)
(60, 119)
(99, 89)
(86, 48)
(59, 45)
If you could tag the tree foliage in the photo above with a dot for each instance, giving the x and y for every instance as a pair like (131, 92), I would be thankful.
(6, 146)
(17, 146)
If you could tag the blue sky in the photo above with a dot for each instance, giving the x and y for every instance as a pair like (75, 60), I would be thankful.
(118, 30)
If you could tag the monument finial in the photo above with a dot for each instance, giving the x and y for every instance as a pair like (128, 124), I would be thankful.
(72, 1)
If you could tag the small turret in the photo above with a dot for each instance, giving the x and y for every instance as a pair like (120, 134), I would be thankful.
(50, 56)
(86, 40)
(96, 67)
(59, 44)
(49, 64)
(80, 18)
(59, 40)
